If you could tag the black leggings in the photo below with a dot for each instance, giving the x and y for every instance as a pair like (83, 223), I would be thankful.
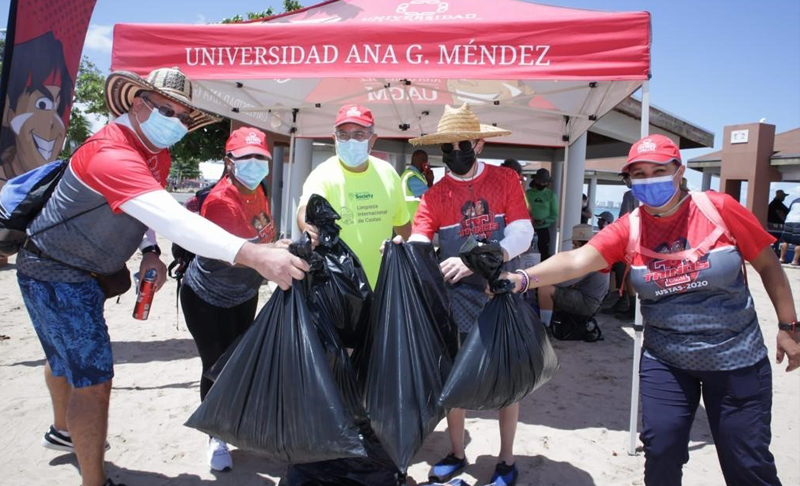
(214, 328)
(543, 235)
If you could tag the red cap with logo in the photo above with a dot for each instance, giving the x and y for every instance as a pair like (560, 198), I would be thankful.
(354, 114)
(657, 149)
(247, 141)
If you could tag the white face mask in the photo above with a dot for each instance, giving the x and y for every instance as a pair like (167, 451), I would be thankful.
(251, 171)
(352, 152)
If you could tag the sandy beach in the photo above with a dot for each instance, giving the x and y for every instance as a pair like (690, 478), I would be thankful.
(572, 432)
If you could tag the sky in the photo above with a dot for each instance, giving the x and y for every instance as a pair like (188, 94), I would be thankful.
(714, 62)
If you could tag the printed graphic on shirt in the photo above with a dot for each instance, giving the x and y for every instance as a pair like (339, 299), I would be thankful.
(478, 219)
(264, 227)
(675, 276)
(362, 208)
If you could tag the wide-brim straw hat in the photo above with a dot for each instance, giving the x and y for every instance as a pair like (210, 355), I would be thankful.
(459, 124)
(122, 87)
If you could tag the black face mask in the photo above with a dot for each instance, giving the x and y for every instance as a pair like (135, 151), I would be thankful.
(541, 186)
(459, 161)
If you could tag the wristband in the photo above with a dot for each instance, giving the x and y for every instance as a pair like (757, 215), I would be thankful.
(151, 249)
(793, 326)
(525, 281)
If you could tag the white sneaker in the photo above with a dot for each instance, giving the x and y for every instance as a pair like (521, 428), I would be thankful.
(219, 457)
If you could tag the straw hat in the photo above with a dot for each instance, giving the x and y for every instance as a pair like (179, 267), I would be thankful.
(582, 232)
(122, 86)
(459, 124)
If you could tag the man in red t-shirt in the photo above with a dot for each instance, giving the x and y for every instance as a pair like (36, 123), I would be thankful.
(484, 201)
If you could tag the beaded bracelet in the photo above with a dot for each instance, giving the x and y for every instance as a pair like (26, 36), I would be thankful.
(525, 281)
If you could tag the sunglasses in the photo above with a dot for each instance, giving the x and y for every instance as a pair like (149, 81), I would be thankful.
(464, 146)
(169, 112)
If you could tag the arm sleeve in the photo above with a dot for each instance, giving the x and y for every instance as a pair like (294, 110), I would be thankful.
(161, 212)
(148, 240)
(553, 216)
(612, 241)
(425, 221)
(517, 237)
(750, 236)
(516, 208)
(401, 215)
(417, 187)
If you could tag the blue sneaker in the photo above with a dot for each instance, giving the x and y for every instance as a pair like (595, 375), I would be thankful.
(504, 475)
(445, 469)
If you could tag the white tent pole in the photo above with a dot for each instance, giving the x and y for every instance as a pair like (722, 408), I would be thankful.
(562, 201)
(288, 189)
(637, 322)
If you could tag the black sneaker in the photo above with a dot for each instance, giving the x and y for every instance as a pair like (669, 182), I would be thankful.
(504, 475)
(55, 440)
(445, 469)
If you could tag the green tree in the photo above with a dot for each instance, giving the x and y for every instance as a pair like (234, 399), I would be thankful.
(89, 99)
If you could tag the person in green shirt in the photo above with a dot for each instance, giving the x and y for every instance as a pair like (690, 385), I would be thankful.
(543, 207)
(364, 190)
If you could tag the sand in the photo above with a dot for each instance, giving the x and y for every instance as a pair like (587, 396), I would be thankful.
(572, 432)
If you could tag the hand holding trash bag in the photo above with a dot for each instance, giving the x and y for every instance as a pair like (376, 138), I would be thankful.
(276, 394)
(348, 282)
(507, 354)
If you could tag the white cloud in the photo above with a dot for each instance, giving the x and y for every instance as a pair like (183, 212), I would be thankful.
(201, 19)
(99, 38)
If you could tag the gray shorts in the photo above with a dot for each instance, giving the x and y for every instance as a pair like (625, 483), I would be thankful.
(575, 302)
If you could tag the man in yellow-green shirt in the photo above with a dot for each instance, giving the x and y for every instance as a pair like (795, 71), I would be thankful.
(364, 190)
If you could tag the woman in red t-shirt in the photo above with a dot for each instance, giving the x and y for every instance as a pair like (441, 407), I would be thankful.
(219, 300)
(701, 336)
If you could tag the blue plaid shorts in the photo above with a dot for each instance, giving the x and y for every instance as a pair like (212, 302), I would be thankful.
(68, 318)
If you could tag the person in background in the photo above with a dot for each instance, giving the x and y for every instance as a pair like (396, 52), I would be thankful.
(604, 219)
(514, 165)
(702, 337)
(624, 307)
(581, 296)
(474, 199)
(791, 233)
(414, 180)
(219, 300)
(543, 209)
(777, 211)
(586, 213)
(366, 191)
(109, 203)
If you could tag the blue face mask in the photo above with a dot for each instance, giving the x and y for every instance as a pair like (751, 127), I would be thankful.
(250, 172)
(352, 152)
(163, 131)
(655, 192)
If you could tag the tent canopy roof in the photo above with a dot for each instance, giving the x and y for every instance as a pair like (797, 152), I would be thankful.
(546, 73)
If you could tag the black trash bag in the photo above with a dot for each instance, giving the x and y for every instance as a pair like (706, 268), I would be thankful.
(507, 354)
(348, 282)
(405, 359)
(276, 395)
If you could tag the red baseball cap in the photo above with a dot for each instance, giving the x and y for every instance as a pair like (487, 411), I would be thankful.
(657, 149)
(354, 114)
(247, 141)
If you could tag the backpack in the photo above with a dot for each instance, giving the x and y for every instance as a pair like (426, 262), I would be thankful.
(707, 208)
(22, 198)
(572, 327)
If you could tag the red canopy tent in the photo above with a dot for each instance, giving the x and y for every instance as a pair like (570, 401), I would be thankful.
(546, 73)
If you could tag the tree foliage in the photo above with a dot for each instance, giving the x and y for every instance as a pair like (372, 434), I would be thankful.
(288, 6)
(89, 99)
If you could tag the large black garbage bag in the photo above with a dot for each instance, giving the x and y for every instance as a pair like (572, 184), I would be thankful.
(277, 395)
(348, 282)
(507, 354)
(405, 361)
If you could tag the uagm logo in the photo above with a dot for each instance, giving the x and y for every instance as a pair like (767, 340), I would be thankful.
(422, 7)
(647, 145)
(252, 139)
(353, 111)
